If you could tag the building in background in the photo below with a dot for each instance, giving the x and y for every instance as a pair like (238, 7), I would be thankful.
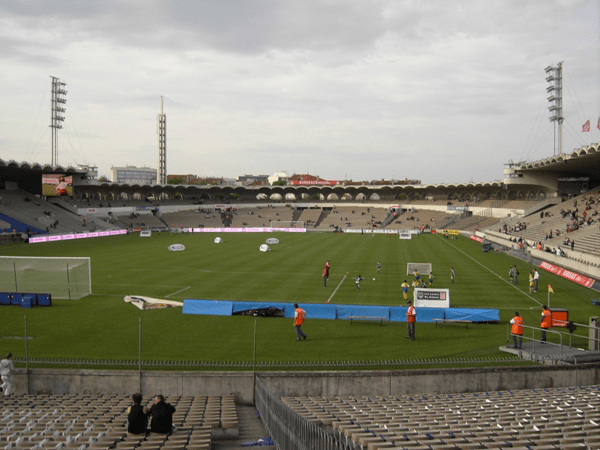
(253, 180)
(134, 175)
(279, 176)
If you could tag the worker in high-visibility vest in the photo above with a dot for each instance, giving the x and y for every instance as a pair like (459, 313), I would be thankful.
(411, 318)
(546, 321)
(299, 316)
(517, 329)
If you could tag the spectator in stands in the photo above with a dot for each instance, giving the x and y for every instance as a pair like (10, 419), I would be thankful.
(517, 329)
(7, 368)
(137, 416)
(546, 321)
(411, 318)
(162, 416)
(299, 316)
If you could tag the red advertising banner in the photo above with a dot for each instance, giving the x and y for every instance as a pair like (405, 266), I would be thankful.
(314, 183)
(476, 238)
(567, 274)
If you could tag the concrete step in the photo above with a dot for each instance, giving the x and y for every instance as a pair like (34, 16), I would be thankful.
(251, 429)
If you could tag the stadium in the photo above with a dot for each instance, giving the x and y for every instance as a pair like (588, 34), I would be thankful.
(215, 270)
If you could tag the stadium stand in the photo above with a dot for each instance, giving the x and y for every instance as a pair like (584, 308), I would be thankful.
(310, 217)
(551, 225)
(100, 421)
(544, 418)
(421, 218)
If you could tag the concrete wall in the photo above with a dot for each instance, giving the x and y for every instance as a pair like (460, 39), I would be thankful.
(240, 384)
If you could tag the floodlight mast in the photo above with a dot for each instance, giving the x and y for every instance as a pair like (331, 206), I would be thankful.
(57, 109)
(555, 90)
(162, 145)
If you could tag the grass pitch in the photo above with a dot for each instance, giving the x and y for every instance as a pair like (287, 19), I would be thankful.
(102, 326)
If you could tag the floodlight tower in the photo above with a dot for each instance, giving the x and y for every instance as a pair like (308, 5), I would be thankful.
(162, 145)
(57, 109)
(555, 90)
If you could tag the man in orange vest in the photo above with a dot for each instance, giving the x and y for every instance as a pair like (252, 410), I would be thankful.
(411, 318)
(299, 316)
(517, 329)
(546, 321)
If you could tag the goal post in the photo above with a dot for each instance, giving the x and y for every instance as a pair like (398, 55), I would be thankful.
(419, 267)
(63, 277)
(287, 224)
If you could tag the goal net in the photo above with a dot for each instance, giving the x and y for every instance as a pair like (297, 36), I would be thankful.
(68, 278)
(287, 224)
(422, 268)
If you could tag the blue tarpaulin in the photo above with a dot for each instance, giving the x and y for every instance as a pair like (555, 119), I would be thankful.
(348, 311)
(424, 315)
(473, 314)
(341, 312)
(208, 307)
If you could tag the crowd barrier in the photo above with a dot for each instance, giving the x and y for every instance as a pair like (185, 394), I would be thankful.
(289, 430)
(340, 312)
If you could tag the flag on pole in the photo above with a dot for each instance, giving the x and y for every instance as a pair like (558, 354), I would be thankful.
(550, 289)
(585, 127)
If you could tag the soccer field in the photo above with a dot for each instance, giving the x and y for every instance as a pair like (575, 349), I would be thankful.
(102, 326)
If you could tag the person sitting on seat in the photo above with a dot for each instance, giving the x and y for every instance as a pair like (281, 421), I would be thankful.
(137, 416)
(162, 416)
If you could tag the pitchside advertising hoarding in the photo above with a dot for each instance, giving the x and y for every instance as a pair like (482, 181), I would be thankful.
(567, 274)
(432, 298)
(66, 237)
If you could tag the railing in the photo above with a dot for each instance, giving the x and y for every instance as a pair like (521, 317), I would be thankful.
(288, 429)
(264, 365)
(560, 334)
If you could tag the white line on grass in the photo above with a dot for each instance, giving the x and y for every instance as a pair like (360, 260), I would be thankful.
(336, 289)
(487, 268)
(181, 290)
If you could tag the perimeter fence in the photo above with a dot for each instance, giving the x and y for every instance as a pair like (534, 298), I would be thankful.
(262, 365)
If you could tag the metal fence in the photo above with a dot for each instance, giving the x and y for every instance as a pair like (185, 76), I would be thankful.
(288, 429)
(261, 365)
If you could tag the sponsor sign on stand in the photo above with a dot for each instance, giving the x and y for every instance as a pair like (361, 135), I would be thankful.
(176, 247)
(476, 238)
(457, 208)
(432, 298)
(567, 274)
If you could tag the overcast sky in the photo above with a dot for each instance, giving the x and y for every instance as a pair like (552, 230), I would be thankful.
(443, 91)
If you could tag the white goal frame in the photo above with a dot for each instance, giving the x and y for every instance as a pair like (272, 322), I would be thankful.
(63, 277)
(422, 268)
